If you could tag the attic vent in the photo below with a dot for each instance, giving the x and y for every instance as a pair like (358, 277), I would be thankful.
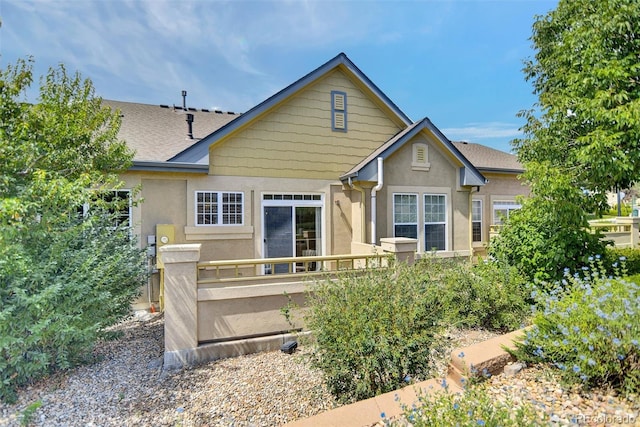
(420, 157)
(218, 112)
(338, 111)
(204, 110)
(164, 106)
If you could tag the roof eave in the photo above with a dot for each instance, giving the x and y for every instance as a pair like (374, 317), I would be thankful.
(155, 166)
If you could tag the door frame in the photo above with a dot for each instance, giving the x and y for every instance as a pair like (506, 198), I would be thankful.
(293, 202)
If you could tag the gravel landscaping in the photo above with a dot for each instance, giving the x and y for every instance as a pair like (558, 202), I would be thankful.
(127, 387)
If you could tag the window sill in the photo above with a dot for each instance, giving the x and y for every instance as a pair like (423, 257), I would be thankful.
(218, 232)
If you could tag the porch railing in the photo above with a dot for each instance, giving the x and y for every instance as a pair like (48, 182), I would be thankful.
(242, 270)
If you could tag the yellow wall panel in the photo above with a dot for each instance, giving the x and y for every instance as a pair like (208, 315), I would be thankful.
(295, 139)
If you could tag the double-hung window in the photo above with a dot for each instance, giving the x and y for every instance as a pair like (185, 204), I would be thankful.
(435, 222)
(476, 220)
(502, 209)
(405, 215)
(219, 208)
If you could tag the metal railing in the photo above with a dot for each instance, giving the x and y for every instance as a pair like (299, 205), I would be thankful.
(238, 270)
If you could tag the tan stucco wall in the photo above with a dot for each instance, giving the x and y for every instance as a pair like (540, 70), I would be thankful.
(295, 139)
(441, 178)
(170, 199)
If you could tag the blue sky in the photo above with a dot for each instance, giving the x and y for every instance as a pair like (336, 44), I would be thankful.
(457, 62)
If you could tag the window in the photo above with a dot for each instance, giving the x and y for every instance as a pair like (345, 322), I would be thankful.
(219, 208)
(338, 111)
(476, 220)
(435, 222)
(405, 215)
(502, 209)
(117, 204)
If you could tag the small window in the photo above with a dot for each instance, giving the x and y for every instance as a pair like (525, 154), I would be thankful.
(420, 157)
(338, 111)
(219, 208)
(476, 220)
(435, 222)
(502, 210)
(405, 215)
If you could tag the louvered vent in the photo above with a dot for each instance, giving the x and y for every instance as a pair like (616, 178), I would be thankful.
(338, 101)
(338, 111)
(420, 157)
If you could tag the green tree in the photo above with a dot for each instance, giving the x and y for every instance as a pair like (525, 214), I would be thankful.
(65, 275)
(583, 138)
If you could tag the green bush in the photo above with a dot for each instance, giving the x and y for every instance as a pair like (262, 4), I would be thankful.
(59, 290)
(475, 407)
(589, 328)
(374, 331)
(489, 295)
(631, 256)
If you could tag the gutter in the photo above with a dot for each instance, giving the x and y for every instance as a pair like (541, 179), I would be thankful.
(374, 190)
(155, 166)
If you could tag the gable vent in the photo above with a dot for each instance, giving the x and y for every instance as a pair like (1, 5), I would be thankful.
(338, 111)
(421, 155)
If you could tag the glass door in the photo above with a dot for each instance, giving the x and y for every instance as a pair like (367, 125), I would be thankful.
(278, 235)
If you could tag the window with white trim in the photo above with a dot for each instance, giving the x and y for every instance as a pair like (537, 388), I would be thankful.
(219, 208)
(435, 222)
(502, 209)
(405, 215)
(118, 204)
(476, 220)
(338, 111)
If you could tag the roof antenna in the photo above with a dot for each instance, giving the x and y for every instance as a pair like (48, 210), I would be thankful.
(184, 100)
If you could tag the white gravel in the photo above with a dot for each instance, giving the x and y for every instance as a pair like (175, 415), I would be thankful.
(127, 387)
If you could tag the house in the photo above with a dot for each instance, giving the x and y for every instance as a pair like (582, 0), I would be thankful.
(328, 165)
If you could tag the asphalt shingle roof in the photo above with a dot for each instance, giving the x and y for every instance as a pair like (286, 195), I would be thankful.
(489, 159)
(157, 133)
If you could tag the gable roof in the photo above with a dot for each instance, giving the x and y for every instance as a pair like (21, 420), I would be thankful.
(158, 132)
(367, 169)
(487, 159)
(199, 152)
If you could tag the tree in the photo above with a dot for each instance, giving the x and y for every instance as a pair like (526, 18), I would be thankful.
(584, 139)
(65, 274)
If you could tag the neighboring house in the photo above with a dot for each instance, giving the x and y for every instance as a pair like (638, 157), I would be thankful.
(328, 165)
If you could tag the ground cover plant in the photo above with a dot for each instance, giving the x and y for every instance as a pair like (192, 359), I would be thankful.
(375, 331)
(588, 327)
(475, 407)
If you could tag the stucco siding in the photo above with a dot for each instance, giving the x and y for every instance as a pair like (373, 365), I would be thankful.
(295, 139)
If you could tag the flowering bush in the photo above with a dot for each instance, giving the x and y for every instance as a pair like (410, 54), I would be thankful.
(475, 407)
(373, 331)
(588, 326)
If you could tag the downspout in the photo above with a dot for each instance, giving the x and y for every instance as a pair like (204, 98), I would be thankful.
(360, 190)
(374, 190)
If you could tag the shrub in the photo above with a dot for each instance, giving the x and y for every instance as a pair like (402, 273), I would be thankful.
(488, 295)
(631, 256)
(589, 328)
(59, 295)
(475, 407)
(373, 331)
